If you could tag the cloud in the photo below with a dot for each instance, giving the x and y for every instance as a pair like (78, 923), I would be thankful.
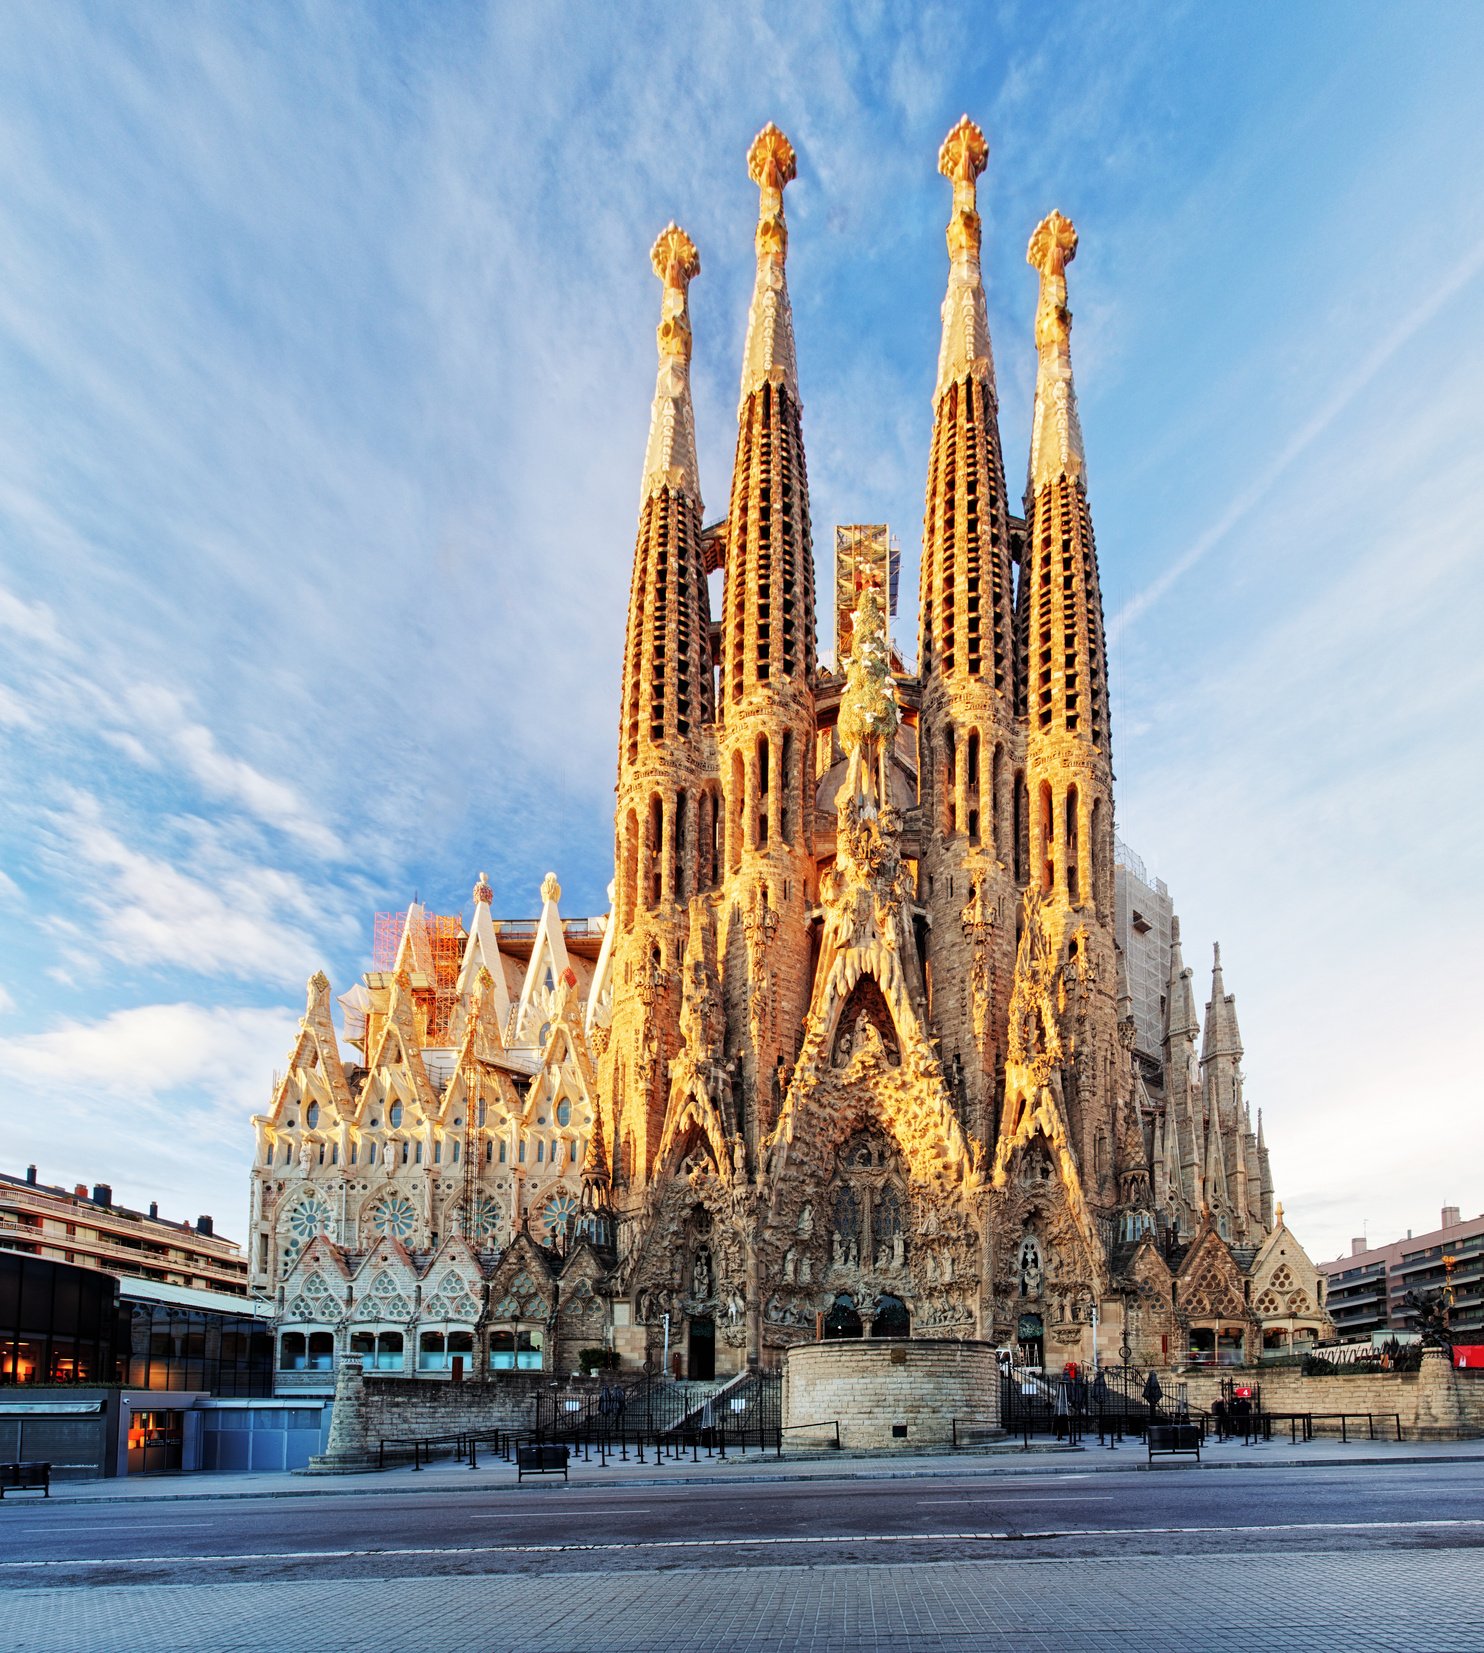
(1259, 490)
(153, 1100)
(206, 911)
(34, 622)
(273, 802)
(7, 1002)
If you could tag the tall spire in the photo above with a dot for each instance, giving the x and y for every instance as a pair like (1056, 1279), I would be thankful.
(670, 457)
(666, 788)
(1221, 1037)
(968, 739)
(965, 347)
(667, 669)
(767, 664)
(1180, 1017)
(1066, 663)
(1056, 433)
(769, 353)
(967, 627)
(769, 601)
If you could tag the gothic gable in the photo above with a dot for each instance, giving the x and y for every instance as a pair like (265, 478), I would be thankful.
(1209, 1284)
(1285, 1284)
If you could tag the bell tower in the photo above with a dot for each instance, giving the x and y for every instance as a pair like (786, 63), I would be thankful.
(969, 743)
(767, 667)
(665, 838)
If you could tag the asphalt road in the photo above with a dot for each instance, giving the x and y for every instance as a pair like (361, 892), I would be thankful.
(1374, 1558)
(548, 1528)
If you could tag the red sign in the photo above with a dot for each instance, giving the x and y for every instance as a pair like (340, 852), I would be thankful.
(1469, 1356)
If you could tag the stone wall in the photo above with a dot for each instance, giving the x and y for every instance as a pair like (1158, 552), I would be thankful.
(879, 1386)
(369, 1410)
(1435, 1403)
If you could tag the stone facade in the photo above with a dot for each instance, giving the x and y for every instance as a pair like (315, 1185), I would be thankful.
(1435, 1403)
(851, 1052)
(889, 1393)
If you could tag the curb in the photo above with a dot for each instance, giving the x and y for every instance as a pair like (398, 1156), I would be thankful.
(787, 1477)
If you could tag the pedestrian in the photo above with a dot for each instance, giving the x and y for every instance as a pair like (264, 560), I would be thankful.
(1218, 1414)
(1063, 1406)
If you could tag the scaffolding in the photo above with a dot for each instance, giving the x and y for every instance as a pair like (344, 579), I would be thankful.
(442, 943)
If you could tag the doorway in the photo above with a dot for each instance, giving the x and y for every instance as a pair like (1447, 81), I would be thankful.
(155, 1442)
(1030, 1333)
(701, 1357)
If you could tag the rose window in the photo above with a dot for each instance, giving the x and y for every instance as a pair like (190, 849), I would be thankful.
(310, 1217)
(393, 1215)
(484, 1217)
(560, 1210)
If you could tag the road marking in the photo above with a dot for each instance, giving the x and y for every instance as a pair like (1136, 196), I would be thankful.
(775, 1542)
(56, 1530)
(1048, 1498)
(566, 1509)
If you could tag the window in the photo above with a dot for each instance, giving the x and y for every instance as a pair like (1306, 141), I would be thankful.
(292, 1352)
(395, 1116)
(321, 1351)
(311, 1116)
(564, 1112)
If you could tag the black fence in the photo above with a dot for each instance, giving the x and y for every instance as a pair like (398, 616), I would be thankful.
(1117, 1402)
(665, 1418)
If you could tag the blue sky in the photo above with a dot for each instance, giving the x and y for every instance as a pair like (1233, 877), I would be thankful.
(326, 348)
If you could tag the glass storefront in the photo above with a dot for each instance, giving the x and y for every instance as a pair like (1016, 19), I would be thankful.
(163, 1346)
(57, 1322)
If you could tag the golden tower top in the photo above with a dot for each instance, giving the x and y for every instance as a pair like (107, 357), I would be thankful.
(769, 353)
(965, 348)
(670, 457)
(677, 263)
(1056, 432)
(962, 158)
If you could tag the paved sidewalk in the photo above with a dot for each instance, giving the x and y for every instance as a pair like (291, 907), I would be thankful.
(494, 1473)
(1137, 1604)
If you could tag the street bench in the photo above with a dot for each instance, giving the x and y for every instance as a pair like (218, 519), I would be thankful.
(26, 1478)
(540, 1460)
(1168, 1439)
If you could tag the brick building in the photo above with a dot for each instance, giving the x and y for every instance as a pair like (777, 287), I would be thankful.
(1368, 1289)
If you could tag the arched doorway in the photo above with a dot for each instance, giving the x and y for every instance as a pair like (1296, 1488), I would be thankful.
(701, 1354)
(1030, 1333)
(843, 1319)
(891, 1318)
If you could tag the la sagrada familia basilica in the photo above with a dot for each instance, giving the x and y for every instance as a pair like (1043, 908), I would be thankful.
(852, 1052)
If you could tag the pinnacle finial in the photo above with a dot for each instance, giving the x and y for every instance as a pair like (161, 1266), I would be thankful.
(771, 164)
(482, 891)
(1215, 955)
(771, 161)
(963, 156)
(1053, 246)
(674, 257)
(964, 153)
(677, 263)
(670, 455)
(551, 891)
(1056, 433)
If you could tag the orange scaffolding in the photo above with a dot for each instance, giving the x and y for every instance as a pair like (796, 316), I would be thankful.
(386, 938)
(445, 936)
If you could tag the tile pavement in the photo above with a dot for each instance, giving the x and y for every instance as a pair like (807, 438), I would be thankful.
(1376, 1602)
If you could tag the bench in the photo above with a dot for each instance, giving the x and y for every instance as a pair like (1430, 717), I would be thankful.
(540, 1460)
(26, 1478)
(1168, 1439)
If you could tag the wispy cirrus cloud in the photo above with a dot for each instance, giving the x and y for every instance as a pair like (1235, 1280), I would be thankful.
(328, 350)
